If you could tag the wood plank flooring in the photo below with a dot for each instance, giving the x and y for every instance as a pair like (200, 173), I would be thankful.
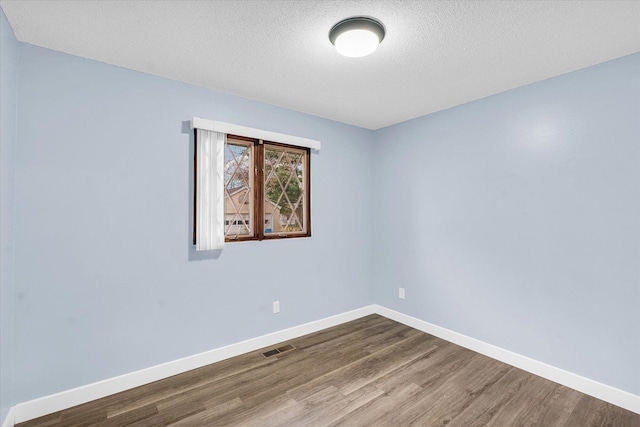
(369, 372)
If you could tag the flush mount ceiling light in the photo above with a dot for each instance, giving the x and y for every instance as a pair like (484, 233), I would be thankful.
(357, 36)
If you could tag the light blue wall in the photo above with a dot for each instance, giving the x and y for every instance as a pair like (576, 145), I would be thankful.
(515, 220)
(8, 99)
(107, 280)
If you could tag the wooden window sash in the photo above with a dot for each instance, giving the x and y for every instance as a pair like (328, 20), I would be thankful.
(257, 214)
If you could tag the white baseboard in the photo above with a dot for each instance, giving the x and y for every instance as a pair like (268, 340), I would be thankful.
(584, 385)
(77, 396)
(9, 420)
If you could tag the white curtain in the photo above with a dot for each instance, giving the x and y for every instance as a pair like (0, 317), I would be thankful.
(209, 190)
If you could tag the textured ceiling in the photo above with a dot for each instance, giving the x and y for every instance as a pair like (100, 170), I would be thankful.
(436, 54)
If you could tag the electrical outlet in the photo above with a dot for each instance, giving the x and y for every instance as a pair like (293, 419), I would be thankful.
(276, 307)
(401, 293)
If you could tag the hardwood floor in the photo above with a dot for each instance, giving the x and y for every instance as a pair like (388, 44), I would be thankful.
(369, 372)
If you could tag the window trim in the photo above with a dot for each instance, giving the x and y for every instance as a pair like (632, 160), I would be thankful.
(266, 135)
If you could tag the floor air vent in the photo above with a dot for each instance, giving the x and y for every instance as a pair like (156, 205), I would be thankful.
(278, 350)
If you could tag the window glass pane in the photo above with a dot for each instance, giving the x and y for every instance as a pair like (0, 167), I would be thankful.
(284, 190)
(238, 200)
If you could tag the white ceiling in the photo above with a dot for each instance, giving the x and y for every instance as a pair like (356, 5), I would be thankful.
(436, 54)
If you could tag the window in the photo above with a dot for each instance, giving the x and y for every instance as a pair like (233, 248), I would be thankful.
(248, 187)
(269, 181)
